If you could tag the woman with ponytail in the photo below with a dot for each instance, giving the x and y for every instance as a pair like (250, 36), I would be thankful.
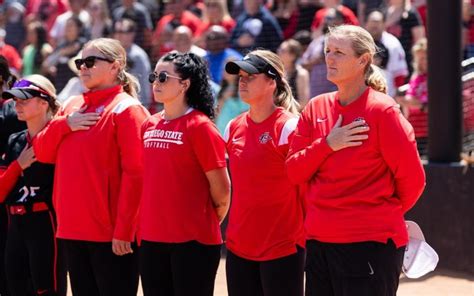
(357, 153)
(98, 176)
(265, 237)
(186, 191)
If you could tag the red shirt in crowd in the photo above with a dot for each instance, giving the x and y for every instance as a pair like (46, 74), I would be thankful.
(266, 216)
(349, 17)
(98, 177)
(360, 193)
(177, 204)
(12, 56)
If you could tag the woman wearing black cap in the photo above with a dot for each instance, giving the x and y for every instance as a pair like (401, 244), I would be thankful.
(265, 237)
(26, 188)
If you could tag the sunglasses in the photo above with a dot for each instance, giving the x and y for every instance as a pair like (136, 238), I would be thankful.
(32, 88)
(89, 61)
(162, 77)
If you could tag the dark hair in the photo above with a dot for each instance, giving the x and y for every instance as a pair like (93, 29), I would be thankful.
(41, 39)
(5, 74)
(79, 24)
(199, 94)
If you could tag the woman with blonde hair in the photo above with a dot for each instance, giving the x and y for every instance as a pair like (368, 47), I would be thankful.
(357, 153)
(98, 172)
(265, 237)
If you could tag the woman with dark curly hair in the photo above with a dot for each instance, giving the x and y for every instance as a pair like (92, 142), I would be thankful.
(186, 187)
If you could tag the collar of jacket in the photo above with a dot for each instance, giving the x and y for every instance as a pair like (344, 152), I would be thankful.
(94, 98)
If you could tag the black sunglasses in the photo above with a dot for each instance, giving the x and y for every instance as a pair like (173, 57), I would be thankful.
(162, 77)
(89, 61)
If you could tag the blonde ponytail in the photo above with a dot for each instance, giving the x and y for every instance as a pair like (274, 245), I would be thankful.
(283, 96)
(130, 83)
(375, 79)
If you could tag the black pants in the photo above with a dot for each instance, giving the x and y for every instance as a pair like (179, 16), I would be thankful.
(94, 270)
(365, 269)
(3, 241)
(278, 277)
(178, 269)
(32, 257)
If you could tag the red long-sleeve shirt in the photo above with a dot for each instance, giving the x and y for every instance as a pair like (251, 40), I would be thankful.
(360, 193)
(8, 177)
(99, 172)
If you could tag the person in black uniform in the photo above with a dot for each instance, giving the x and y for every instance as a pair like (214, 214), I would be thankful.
(9, 124)
(26, 188)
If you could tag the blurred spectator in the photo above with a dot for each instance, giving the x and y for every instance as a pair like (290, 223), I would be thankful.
(218, 52)
(101, 24)
(307, 9)
(10, 54)
(367, 6)
(313, 59)
(229, 104)
(415, 102)
(256, 27)
(236, 7)
(74, 86)
(138, 63)
(286, 13)
(56, 65)
(175, 15)
(420, 6)
(351, 4)
(76, 9)
(137, 12)
(395, 68)
(195, 6)
(297, 77)
(183, 41)
(215, 13)
(404, 22)
(468, 21)
(318, 21)
(36, 50)
(14, 25)
(304, 39)
(9, 124)
(45, 11)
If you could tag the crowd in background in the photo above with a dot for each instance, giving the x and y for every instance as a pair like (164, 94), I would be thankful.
(44, 36)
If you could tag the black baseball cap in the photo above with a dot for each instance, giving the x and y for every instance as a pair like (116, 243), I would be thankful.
(31, 86)
(252, 64)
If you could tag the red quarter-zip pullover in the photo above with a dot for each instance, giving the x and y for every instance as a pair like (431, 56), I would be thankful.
(99, 172)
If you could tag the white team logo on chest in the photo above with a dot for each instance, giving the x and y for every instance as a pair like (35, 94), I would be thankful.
(100, 109)
(159, 138)
(264, 138)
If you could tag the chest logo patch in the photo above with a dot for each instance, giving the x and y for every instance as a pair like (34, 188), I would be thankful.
(361, 119)
(100, 109)
(264, 138)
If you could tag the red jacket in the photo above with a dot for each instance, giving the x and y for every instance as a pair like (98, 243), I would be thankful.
(360, 193)
(99, 172)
